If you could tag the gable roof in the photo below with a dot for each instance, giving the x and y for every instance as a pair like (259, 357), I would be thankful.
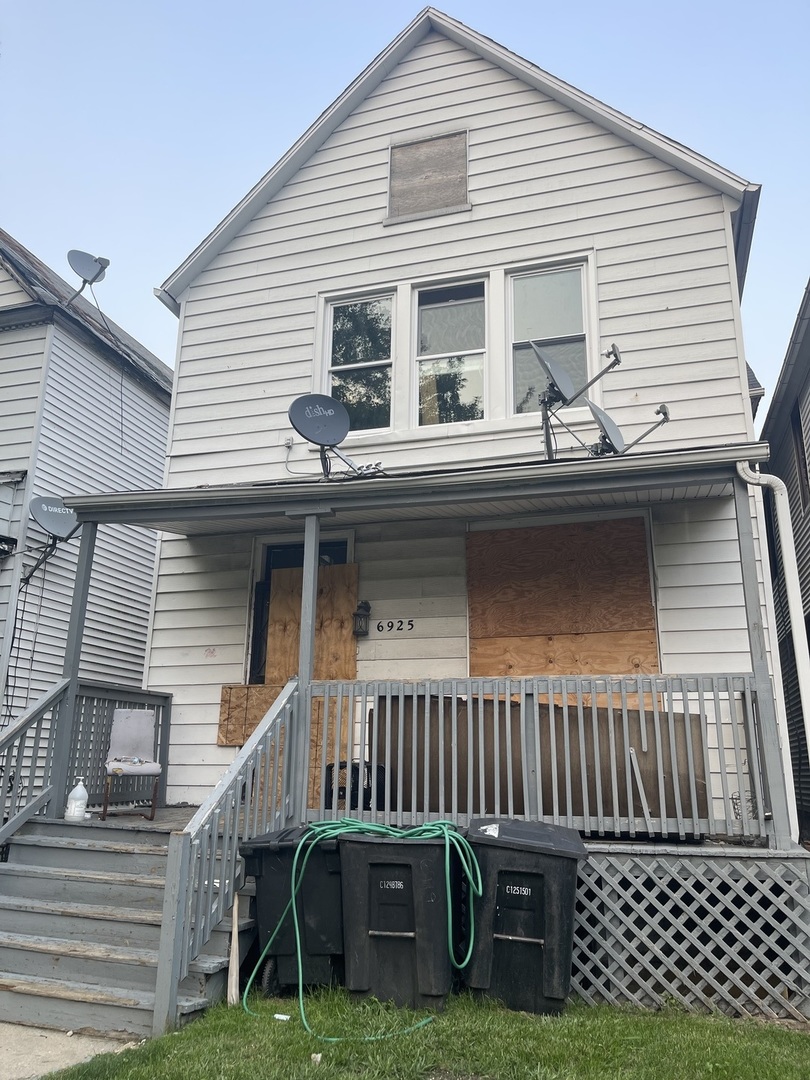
(428, 20)
(48, 291)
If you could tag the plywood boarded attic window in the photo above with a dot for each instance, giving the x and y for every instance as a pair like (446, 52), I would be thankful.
(567, 599)
(428, 177)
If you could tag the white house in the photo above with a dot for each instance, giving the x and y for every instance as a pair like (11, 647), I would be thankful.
(82, 406)
(573, 636)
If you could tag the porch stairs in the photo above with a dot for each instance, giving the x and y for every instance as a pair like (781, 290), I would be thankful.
(80, 923)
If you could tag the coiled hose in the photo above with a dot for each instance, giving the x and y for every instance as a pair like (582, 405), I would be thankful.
(332, 830)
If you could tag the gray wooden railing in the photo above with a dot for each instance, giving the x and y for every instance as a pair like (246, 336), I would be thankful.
(204, 871)
(27, 749)
(662, 756)
(26, 759)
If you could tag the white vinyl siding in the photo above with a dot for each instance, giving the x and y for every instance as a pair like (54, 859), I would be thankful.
(11, 294)
(413, 571)
(701, 607)
(198, 644)
(544, 184)
(80, 450)
(21, 367)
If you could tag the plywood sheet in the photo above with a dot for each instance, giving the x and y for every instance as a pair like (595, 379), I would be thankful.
(241, 709)
(561, 599)
(599, 780)
(335, 644)
(622, 652)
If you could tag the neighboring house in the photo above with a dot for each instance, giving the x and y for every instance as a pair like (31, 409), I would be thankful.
(83, 407)
(786, 430)
(580, 639)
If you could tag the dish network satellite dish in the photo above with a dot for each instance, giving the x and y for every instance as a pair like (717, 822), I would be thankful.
(55, 518)
(324, 421)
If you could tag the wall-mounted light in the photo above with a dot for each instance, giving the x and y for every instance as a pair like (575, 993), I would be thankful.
(360, 619)
(7, 546)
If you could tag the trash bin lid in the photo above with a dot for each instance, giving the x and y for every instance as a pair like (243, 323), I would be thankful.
(535, 836)
(275, 840)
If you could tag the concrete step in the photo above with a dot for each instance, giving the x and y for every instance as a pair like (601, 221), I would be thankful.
(82, 1007)
(100, 855)
(82, 886)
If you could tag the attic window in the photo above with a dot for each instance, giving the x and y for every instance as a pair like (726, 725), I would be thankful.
(428, 177)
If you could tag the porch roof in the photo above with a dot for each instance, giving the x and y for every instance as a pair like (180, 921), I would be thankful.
(481, 491)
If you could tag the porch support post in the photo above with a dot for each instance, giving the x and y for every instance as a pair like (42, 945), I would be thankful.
(768, 731)
(306, 664)
(63, 739)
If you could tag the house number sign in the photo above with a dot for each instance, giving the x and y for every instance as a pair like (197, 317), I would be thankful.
(393, 626)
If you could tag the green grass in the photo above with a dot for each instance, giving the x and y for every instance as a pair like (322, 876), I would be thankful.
(471, 1040)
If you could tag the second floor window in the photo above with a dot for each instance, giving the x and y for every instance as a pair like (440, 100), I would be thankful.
(360, 361)
(451, 339)
(547, 308)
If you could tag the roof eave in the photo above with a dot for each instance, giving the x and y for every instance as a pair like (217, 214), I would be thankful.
(318, 496)
(793, 373)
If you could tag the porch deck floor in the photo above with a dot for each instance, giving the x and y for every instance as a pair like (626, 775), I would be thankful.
(167, 818)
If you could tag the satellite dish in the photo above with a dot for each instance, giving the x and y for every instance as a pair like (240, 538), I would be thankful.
(559, 380)
(54, 517)
(612, 441)
(89, 268)
(320, 419)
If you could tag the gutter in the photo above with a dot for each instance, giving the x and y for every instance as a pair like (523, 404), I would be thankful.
(798, 631)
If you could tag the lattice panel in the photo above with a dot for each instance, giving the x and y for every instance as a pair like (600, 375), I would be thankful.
(715, 933)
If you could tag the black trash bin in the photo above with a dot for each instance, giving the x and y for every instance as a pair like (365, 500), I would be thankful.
(395, 926)
(269, 859)
(524, 919)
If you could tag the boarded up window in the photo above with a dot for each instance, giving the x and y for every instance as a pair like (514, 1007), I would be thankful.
(429, 176)
(561, 600)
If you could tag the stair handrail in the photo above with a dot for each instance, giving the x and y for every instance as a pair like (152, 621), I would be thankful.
(19, 771)
(195, 900)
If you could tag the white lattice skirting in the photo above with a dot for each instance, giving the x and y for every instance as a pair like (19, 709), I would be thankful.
(723, 932)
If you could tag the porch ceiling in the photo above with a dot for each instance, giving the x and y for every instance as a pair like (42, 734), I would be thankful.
(486, 491)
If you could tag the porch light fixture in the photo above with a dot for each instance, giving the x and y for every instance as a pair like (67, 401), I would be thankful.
(360, 619)
(7, 546)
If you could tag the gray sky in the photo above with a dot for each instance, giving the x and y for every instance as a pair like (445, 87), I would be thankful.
(131, 127)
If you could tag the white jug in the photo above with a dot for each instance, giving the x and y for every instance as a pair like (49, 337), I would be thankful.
(77, 802)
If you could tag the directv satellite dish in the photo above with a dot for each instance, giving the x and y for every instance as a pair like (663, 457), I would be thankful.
(612, 441)
(320, 419)
(54, 517)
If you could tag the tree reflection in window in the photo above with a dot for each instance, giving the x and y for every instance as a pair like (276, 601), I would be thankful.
(361, 361)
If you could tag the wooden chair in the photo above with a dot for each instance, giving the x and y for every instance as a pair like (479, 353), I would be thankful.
(131, 753)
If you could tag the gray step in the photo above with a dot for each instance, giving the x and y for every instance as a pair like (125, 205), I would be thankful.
(115, 925)
(73, 852)
(94, 830)
(81, 1007)
(93, 963)
(81, 886)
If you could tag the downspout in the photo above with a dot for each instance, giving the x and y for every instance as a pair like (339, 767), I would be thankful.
(798, 630)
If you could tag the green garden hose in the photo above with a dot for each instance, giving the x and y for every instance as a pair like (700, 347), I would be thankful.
(332, 830)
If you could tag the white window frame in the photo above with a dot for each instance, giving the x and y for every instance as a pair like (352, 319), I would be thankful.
(498, 381)
(589, 325)
(329, 318)
(411, 347)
